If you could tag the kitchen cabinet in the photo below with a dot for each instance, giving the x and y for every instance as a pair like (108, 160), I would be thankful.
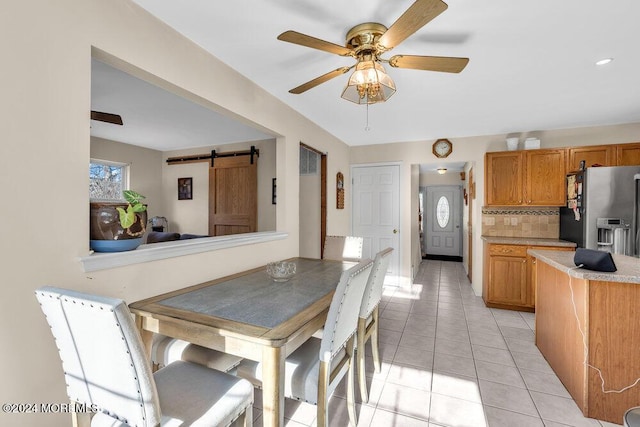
(525, 178)
(628, 154)
(505, 284)
(503, 178)
(545, 177)
(603, 155)
(510, 276)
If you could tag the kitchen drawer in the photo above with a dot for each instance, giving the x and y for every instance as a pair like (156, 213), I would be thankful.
(508, 250)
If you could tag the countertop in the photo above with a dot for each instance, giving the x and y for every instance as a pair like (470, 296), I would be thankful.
(529, 241)
(628, 267)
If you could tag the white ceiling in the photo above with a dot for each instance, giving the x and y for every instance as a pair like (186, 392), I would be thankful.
(157, 119)
(532, 63)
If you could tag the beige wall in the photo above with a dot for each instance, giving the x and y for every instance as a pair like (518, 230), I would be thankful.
(191, 216)
(46, 96)
(578, 136)
(434, 178)
(152, 176)
(472, 150)
(145, 169)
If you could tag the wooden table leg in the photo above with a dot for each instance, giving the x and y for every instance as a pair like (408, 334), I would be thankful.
(79, 419)
(273, 386)
(147, 336)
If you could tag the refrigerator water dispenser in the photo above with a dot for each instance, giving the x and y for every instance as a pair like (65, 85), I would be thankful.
(614, 235)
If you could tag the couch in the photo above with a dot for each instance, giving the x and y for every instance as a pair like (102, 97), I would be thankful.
(161, 236)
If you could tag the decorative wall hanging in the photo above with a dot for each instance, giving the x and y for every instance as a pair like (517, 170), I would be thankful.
(339, 191)
(185, 187)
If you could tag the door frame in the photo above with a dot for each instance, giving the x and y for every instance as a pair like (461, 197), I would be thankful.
(470, 198)
(401, 277)
(323, 194)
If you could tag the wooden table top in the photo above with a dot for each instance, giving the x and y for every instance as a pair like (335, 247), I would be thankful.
(250, 303)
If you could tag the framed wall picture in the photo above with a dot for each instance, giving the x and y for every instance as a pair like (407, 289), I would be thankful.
(185, 188)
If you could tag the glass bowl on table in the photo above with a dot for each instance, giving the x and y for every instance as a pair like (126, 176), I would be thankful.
(281, 271)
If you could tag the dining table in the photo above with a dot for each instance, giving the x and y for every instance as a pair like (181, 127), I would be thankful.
(250, 315)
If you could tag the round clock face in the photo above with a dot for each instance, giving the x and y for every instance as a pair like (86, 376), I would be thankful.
(442, 148)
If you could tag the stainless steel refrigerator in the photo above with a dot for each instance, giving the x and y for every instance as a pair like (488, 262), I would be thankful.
(602, 210)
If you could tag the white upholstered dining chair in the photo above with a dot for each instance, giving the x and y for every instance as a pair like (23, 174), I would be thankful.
(368, 320)
(343, 248)
(105, 367)
(313, 370)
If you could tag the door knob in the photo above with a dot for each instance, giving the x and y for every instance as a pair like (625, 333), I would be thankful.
(395, 231)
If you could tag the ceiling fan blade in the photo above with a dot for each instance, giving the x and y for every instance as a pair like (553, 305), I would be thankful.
(430, 63)
(106, 117)
(414, 18)
(312, 42)
(319, 80)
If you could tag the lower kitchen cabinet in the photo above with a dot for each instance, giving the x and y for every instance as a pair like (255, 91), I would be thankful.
(509, 276)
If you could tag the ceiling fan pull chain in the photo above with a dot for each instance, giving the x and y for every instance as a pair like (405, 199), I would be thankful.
(366, 127)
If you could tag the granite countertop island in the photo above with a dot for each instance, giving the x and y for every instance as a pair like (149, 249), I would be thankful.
(586, 326)
(529, 241)
(628, 267)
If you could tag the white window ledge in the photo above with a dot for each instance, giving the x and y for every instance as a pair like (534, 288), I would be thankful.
(157, 251)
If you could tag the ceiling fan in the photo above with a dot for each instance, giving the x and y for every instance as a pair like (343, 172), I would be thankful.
(106, 117)
(366, 43)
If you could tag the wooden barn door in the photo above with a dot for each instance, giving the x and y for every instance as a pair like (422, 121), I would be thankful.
(233, 195)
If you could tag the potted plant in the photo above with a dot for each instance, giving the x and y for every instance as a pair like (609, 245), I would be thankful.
(118, 226)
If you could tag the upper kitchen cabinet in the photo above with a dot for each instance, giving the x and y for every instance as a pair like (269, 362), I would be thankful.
(628, 154)
(503, 173)
(545, 177)
(603, 155)
(525, 178)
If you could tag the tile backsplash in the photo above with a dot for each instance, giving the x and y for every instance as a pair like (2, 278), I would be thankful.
(541, 222)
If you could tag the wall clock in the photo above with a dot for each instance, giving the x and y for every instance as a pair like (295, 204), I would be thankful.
(442, 148)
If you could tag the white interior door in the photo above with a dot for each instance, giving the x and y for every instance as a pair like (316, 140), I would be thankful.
(443, 234)
(376, 213)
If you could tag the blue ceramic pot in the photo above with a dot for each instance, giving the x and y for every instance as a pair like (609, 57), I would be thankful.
(115, 245)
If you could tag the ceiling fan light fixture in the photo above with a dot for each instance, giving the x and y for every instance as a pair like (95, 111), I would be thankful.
(369, 84)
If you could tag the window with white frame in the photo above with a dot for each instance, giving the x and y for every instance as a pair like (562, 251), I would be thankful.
(107, 180)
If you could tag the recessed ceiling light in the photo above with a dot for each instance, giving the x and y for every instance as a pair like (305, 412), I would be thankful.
(604, 61)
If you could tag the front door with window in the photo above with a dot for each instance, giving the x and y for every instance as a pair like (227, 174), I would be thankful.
(443, 217)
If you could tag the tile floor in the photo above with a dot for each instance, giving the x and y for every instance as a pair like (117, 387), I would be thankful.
(450, 361)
